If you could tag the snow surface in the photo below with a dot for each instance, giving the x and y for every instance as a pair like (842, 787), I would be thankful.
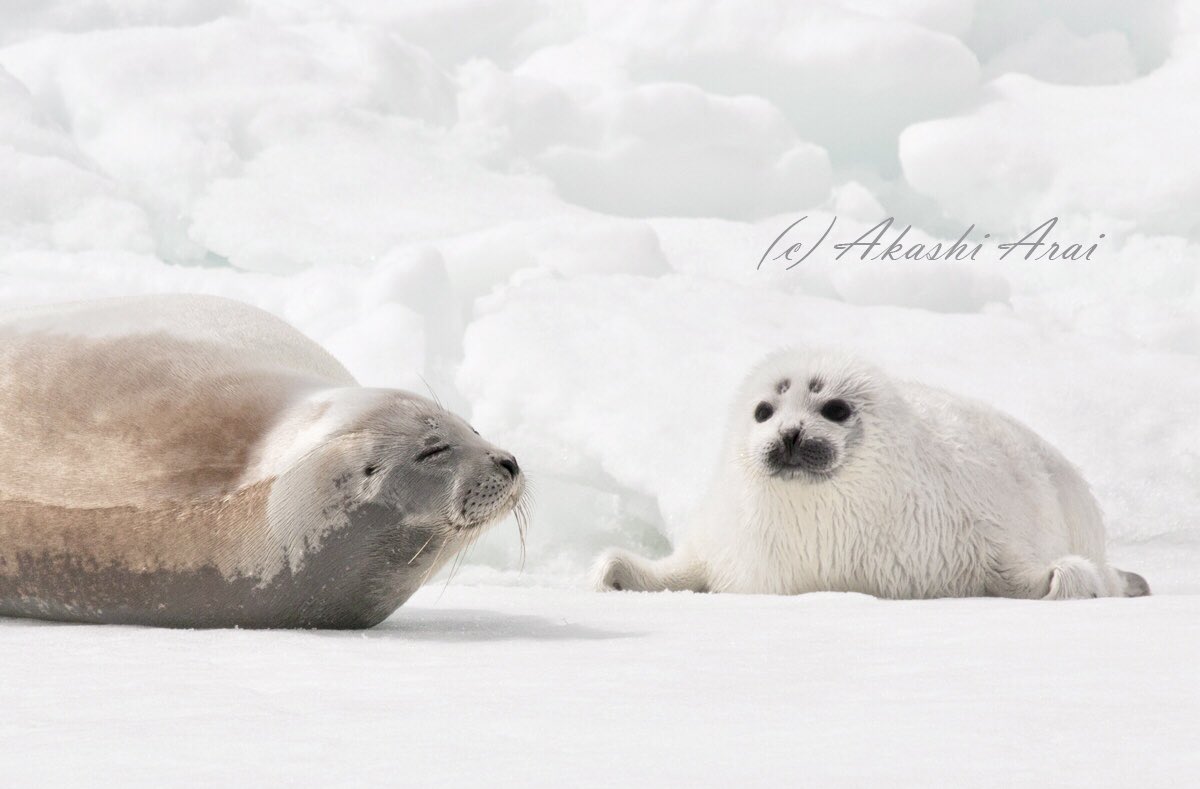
(546, 687)
(553, 214)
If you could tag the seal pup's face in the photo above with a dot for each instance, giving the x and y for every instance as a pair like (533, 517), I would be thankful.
(803, 415)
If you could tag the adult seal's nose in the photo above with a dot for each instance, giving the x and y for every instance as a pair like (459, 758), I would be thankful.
(508, 463)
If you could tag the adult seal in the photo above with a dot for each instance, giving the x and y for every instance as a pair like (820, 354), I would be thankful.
(835, 477)
(190, 461)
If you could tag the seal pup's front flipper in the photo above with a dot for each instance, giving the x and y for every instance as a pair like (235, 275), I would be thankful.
(619, 570)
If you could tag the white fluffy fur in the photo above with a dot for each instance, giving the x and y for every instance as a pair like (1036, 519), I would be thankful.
(929, 495)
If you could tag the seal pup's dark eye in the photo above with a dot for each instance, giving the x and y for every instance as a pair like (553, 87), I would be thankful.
(763, 412)
(369, 470)
(836, 410)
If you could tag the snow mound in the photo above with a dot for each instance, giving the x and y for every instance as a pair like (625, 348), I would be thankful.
(848, 81)
(1122, 154)
(740, 158)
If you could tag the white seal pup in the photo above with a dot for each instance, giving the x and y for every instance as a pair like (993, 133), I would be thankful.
(835, 477)
(192, 461)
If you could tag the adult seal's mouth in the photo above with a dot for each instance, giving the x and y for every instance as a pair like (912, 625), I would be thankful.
(494, 488)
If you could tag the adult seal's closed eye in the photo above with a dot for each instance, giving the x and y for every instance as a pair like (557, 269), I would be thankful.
(835, 477)
(191, 461)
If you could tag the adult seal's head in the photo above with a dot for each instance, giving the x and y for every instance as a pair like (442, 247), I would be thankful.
(191, 461)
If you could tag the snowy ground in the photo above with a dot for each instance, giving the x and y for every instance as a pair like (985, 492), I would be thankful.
(554, 215)
(546, 687)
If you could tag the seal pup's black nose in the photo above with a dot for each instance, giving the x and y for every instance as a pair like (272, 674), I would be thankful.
(790, 439)
(509, 464)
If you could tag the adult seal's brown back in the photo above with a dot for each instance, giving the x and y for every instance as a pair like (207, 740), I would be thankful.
(190, 461)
